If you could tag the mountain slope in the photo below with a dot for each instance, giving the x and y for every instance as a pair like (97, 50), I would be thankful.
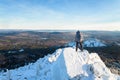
(64, 64)
(91, 42)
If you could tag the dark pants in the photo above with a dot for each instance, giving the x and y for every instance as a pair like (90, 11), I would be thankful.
(79, 45)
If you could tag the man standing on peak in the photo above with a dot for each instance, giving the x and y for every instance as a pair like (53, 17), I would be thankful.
(78, 40)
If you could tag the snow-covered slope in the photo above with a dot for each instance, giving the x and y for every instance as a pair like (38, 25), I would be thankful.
(64, 64)
(89, 43)
(93, 43)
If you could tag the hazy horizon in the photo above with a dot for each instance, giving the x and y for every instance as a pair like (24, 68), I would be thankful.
(55, 29)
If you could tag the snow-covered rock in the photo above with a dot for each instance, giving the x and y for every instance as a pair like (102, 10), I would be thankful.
(93, 43)
(64, 64)
(88, 43)
(21, 50)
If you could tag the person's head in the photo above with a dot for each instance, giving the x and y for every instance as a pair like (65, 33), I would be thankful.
(78, 31)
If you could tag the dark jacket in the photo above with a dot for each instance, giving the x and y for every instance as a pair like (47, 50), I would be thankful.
(78, 36)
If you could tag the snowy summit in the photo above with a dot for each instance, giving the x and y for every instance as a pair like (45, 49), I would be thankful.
(64, 64)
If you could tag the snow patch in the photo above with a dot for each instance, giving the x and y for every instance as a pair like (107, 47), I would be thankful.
(21, 50)
(88, 43)
(93, 43)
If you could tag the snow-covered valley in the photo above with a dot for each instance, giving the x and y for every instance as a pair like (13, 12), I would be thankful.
(64, 64)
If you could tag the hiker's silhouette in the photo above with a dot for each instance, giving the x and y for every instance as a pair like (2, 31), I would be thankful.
(78, 40)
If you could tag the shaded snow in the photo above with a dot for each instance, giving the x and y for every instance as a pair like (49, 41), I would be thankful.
(89, 43)
(64, 64)
(21, 50)
(93, 43)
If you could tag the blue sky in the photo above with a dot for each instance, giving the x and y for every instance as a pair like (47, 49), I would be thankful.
(60, 14)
